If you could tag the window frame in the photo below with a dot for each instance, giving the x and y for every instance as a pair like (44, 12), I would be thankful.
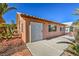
(52, 27)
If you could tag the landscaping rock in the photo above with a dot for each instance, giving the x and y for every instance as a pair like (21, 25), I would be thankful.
(8, 47)
(12, 42)
(3, 49)
(16, 42)
(13, 50)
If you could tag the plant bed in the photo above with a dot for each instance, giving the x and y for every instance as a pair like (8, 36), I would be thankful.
(70, 52)
(3, 49)
(10, 44)
(24, 52)
(13, 50)
(1, 40)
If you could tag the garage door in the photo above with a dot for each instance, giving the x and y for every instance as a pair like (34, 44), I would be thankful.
(36, 31)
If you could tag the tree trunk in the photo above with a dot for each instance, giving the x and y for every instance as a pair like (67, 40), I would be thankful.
(2, 21)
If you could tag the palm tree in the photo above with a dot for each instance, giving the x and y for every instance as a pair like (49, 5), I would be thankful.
(74, 45)
(3, 9)
(76, 25)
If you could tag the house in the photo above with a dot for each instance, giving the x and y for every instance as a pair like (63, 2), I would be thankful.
(35, 29)
(69, 28)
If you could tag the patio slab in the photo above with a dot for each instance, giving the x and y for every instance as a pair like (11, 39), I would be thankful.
(48, 47)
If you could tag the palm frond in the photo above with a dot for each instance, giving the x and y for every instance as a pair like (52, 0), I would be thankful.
(76, 12)
(3, 9)
(66, 43)
(69, 39)
(4, 5)
(72, 52)
(8, 9)
(77, 9)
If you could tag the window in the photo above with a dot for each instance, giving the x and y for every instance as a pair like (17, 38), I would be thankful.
(22, 27)
(71, 29)
(52, 28)
(19, 24)
(62, 28)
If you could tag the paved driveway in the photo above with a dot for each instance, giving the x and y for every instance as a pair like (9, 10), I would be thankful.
(49, 47)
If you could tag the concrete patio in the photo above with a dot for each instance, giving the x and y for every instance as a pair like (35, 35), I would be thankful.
(49, 47)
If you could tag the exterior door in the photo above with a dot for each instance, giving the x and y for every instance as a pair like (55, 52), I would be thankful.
(36, 31)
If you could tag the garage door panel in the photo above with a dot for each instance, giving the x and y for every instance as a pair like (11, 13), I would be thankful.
(36, 31)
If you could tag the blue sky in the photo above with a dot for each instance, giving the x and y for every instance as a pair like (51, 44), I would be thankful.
(59, 12)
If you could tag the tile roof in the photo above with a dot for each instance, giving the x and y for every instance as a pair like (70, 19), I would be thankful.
(37, 18)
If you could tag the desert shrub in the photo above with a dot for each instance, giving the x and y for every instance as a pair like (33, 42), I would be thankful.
(7, 31)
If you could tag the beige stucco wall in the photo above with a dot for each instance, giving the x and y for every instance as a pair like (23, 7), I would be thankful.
(21, 25)
(48, 34)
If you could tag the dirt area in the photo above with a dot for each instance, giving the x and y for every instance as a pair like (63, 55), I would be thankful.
(16, 51)
(24, 52)
(16, 47)
(13, 47)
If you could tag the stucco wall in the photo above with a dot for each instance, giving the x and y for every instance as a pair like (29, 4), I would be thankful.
(48, 34)
(21, 27)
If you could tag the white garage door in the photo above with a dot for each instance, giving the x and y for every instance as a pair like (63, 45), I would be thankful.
(36, 31)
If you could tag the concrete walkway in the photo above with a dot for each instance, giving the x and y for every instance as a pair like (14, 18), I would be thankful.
(49, 47)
